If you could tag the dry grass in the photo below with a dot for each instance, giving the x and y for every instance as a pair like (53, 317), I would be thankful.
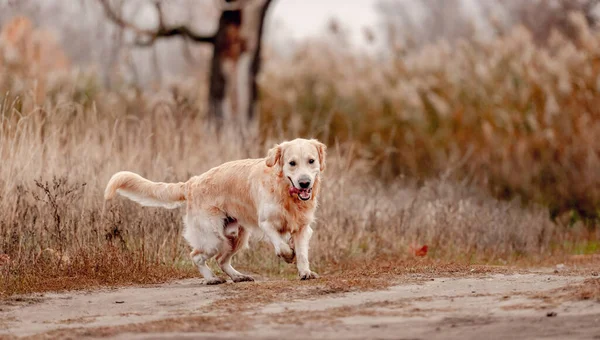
(520, 119)
(460, 111)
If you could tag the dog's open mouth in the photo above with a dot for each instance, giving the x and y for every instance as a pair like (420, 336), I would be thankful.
(303, 194)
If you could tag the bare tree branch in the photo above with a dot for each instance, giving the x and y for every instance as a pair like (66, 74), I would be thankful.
(236, 58)
(146, 37)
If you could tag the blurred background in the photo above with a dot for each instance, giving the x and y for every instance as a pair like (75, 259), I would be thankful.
(501, 97)
(376, 27)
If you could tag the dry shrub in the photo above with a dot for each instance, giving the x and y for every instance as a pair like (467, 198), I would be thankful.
(416, 115)
(542, 17)
(31, 61)
(52, 189)
(521, 119)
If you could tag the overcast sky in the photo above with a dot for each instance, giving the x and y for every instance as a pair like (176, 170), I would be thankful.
(306, 18)
(309, 16)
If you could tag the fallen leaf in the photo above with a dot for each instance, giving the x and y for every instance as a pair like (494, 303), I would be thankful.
(419, 251)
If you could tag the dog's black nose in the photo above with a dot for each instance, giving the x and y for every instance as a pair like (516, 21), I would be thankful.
(304, 183)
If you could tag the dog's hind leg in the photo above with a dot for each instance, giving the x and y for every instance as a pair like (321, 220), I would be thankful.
(204, 232)
(200, 258)
(230, 248)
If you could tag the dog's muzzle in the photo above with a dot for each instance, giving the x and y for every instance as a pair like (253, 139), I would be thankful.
(304, 192)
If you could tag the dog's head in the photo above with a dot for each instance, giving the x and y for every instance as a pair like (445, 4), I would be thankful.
(300, 161)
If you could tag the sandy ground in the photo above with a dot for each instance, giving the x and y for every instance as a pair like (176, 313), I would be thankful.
(494, 306)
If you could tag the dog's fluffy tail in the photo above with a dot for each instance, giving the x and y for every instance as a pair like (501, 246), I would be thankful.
(145, 192)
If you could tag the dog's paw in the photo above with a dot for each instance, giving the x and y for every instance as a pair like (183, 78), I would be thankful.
(243, 278)
(310, 275)
(289, 255)
(215, 281)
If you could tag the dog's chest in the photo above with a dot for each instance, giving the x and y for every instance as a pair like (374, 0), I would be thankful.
(293, 219)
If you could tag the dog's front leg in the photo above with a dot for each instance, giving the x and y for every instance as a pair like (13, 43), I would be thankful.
(301, 241)
(282, 249)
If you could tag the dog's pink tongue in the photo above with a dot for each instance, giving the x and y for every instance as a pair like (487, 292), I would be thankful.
(294, 191)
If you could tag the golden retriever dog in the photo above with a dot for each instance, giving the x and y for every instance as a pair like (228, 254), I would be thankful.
(276, 194)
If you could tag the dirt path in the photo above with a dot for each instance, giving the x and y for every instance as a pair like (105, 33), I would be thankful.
(525, 306)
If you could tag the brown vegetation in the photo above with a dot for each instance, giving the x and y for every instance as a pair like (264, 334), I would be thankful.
(517, 118)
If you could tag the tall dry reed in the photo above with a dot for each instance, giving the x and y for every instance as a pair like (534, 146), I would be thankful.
(521, 119)
(481, 110)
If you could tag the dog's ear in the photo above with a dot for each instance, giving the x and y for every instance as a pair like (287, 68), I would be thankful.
(322, 149)
(274, 156)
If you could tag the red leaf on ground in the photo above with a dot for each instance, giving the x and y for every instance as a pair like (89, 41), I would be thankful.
(419, 251)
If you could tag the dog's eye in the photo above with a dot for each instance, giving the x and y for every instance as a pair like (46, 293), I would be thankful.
(292, 163)
(311, 161)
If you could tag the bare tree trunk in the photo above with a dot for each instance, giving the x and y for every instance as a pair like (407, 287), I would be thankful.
(236, 63)
(236, 59)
